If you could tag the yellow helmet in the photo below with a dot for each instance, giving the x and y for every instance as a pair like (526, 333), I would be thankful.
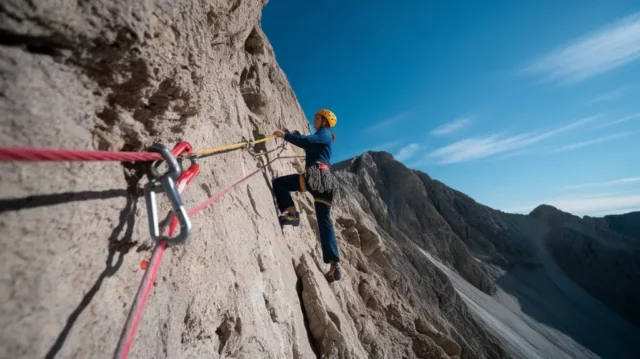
(330, 116)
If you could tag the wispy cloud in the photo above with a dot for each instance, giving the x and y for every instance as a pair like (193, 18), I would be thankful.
(481, 147)
(608, 96)
(419, 163)
(593, 204)
(620, 120)
(407, 152)
(594, 141)
(617, 182)
(388, 122)
(387, 146)
(451, 127)
(518, 153)
(606, 49)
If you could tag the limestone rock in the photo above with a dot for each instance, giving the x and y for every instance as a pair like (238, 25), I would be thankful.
(331, 339)
(369, 239)
(121, 75)
(425, 348)
(352, 236)
(450, 347)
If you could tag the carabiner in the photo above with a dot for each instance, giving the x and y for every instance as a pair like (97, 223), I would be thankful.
(167, 183)
(186, 178)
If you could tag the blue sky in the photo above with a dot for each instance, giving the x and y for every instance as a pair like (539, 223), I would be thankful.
(515, 103)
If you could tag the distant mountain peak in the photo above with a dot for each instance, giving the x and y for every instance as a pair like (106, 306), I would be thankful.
(544, 210)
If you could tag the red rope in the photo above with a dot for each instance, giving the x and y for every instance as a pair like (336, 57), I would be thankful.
(222, 192)
(217, 196)
(46, 154)
(135, 315)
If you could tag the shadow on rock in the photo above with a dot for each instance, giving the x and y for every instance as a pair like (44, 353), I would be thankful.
(57, 198)
(119, 246)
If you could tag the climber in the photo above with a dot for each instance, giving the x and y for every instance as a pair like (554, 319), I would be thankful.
(318, 180)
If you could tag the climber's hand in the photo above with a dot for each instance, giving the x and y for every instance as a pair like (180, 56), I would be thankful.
(278, 134)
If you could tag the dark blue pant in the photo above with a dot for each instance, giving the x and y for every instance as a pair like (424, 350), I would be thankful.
(282, 188)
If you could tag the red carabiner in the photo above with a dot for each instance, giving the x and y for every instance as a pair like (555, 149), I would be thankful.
(181, 147)
(187, 176)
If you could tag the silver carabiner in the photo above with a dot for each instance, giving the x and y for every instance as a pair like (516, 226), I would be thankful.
(166, 183)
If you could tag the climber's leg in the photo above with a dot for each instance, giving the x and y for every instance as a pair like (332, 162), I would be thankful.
(328, 238)
(327, 235)
(282, 188)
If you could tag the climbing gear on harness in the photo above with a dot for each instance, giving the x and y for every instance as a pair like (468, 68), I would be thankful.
(330, 116)
(289, 219)
(320, 179)
(166, 183)
(334, 273)
(323, 166)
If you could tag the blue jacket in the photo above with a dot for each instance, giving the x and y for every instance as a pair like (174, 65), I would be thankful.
(317, 147)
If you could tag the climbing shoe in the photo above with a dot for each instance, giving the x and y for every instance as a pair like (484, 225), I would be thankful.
(288, 219)
(334, 273)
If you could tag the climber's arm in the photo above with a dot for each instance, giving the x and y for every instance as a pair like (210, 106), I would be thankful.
(304, 141)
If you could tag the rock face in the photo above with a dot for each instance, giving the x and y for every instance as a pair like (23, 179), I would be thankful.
(121, 75)
(404, 207)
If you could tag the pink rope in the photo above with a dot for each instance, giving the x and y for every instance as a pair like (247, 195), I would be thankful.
(46, 154)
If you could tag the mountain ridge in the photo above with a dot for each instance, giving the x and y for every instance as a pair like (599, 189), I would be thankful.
(632, 216)
(528, 244)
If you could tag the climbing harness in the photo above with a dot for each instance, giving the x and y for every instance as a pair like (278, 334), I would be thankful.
(172, 182)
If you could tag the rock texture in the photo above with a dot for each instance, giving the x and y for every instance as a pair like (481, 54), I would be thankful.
(121, 75)
(402, 205)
